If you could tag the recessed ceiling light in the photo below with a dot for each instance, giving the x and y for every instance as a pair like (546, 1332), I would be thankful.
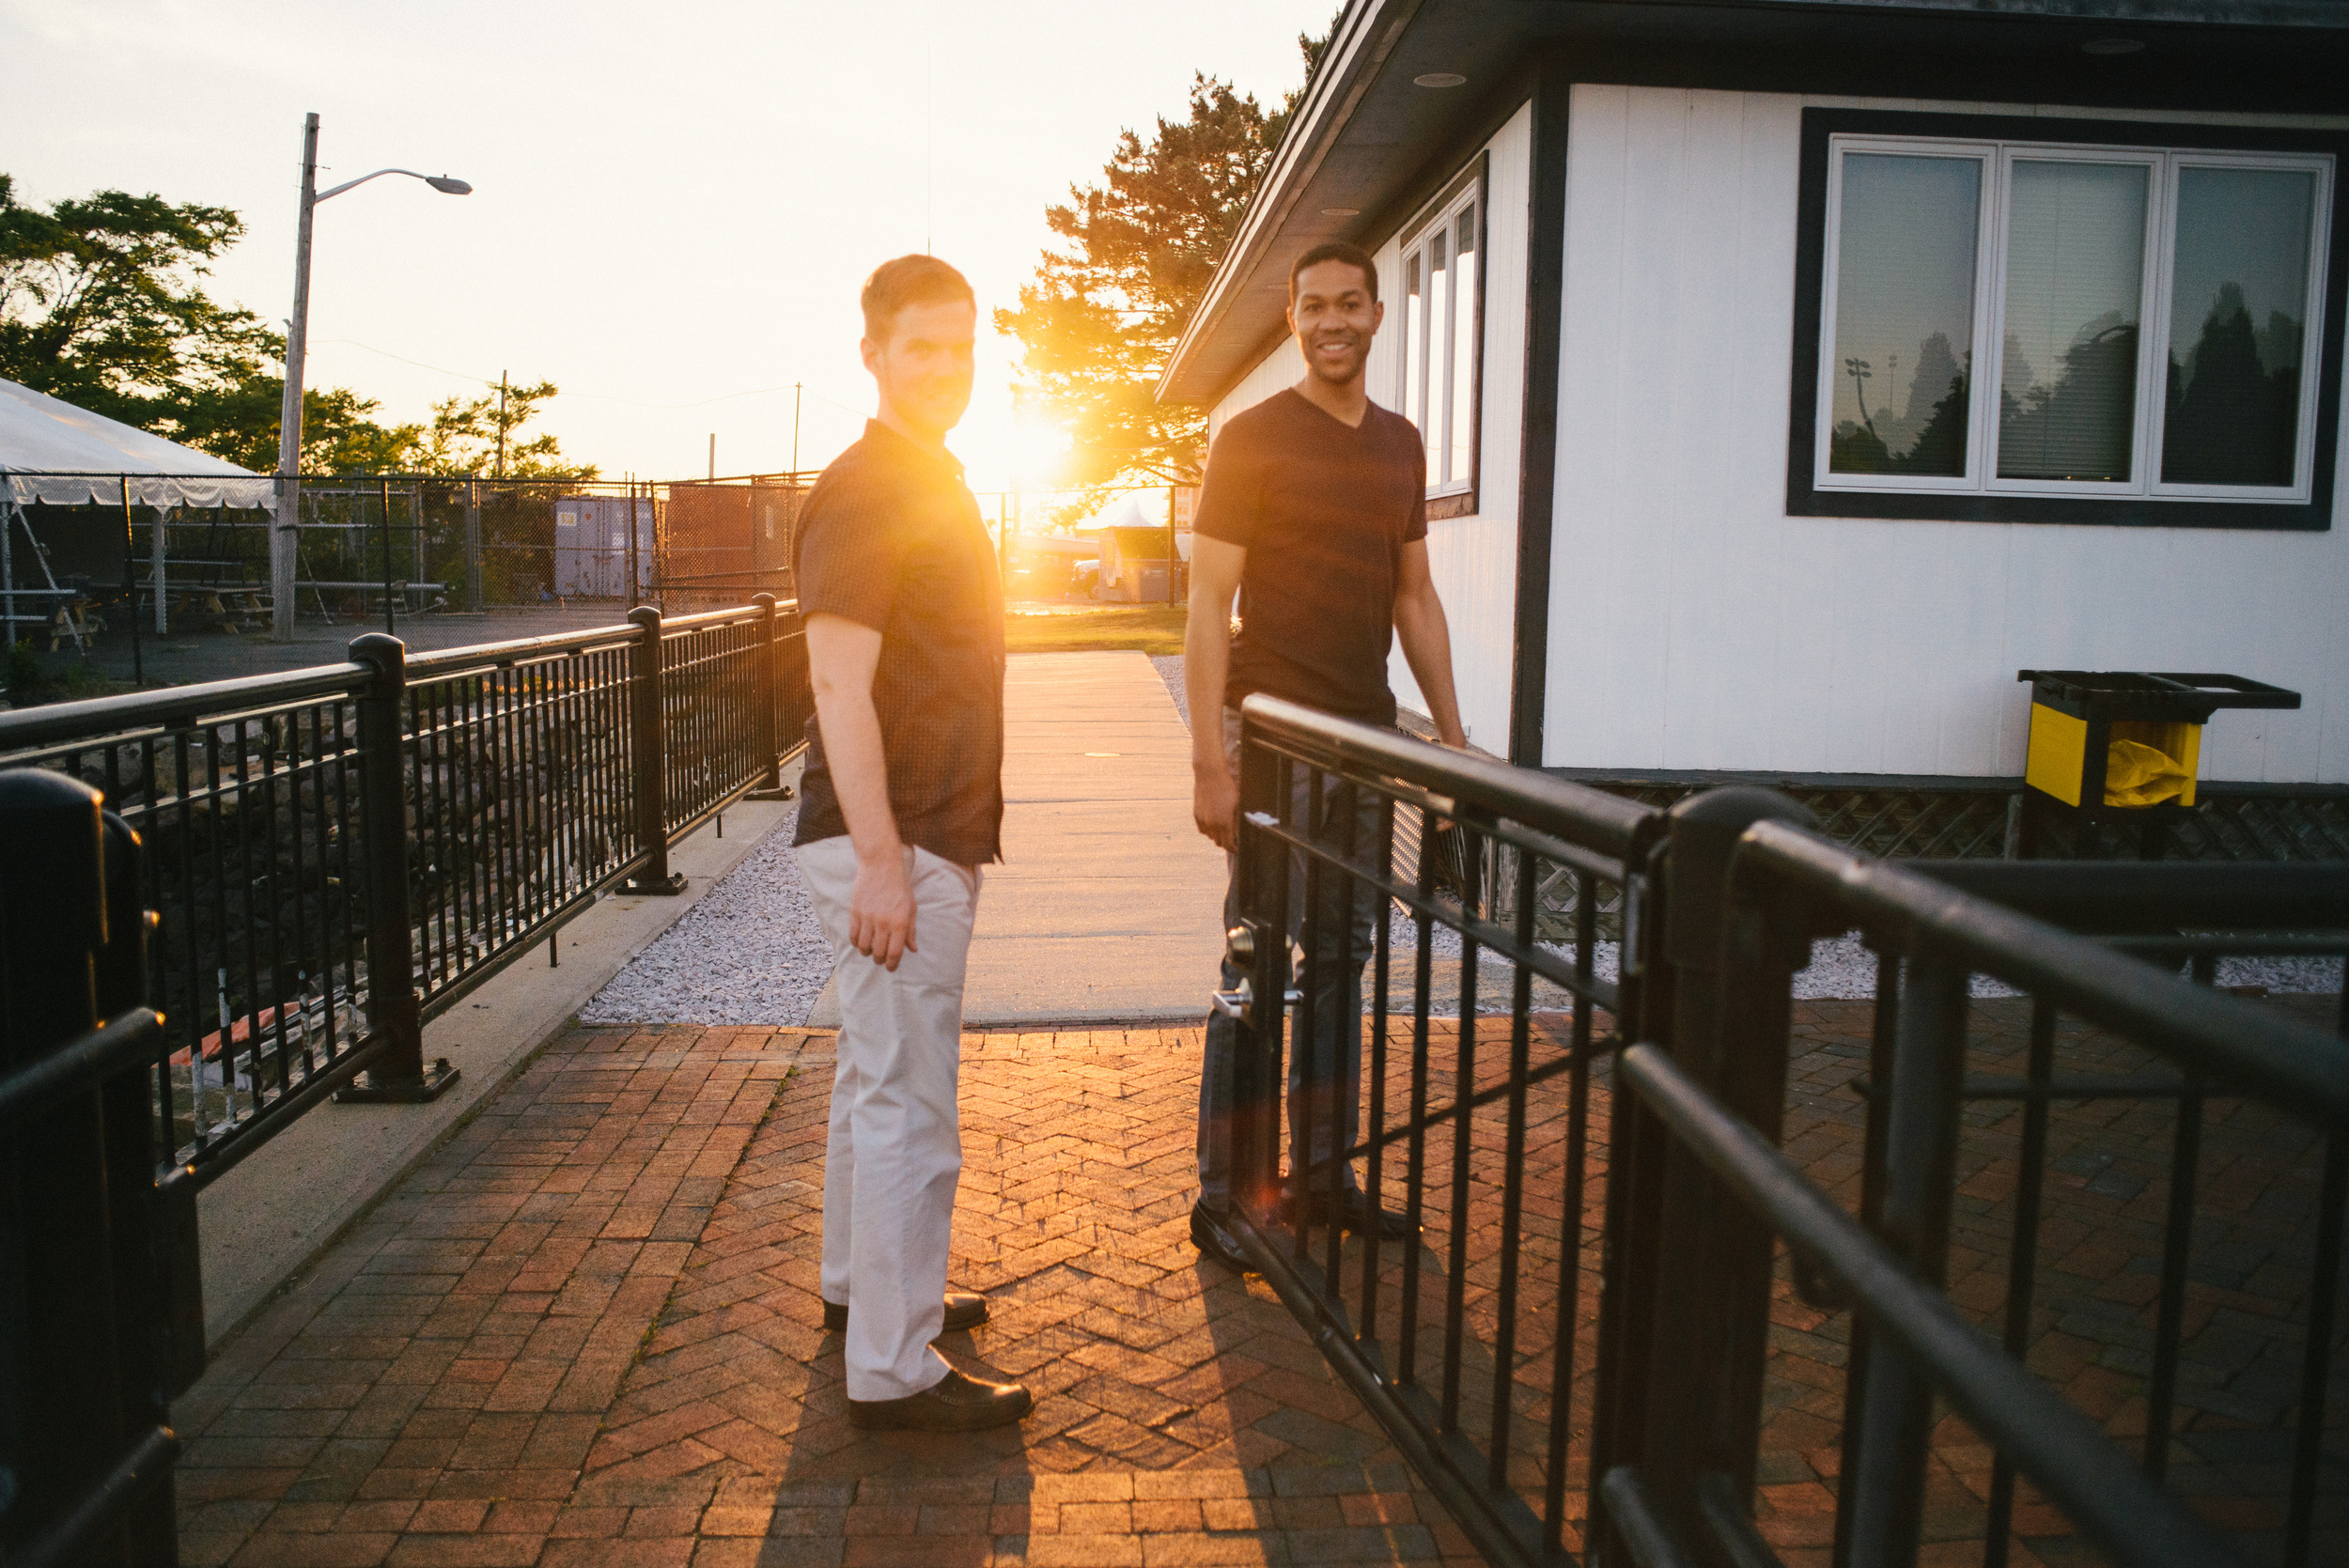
(1439, 79)
(2112, 46)
(1341, 211)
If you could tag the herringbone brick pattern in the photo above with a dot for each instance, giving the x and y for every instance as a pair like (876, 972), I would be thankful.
(588, 1329)
(588, 1332)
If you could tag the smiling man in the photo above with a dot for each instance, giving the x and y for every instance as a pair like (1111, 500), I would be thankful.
(1314, 512)
(902, 803)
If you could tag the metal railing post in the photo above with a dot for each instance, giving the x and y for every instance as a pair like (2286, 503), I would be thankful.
(652, 772)
(1694, 1267)
(80, 1412)
(1888, 1407)
(769, 688)
(399, 1076)
(473, 544)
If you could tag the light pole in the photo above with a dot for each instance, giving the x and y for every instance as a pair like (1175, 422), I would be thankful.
(283, 537)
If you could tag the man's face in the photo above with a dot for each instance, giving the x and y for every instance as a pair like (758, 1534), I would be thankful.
(924, 367)
(1335, 318)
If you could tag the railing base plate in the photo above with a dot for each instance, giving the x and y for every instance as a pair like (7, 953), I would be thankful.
(654, 887)
(371, 1090)
(781, 792)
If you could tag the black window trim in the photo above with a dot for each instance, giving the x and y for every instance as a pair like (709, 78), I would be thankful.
(1805, 499)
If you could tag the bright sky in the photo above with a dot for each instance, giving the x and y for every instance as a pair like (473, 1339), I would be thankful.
(673, 209)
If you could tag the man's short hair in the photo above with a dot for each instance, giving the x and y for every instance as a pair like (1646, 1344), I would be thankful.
(1336, 250)
(910, 280)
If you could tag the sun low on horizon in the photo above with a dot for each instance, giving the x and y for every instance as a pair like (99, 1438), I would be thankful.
(670, 223)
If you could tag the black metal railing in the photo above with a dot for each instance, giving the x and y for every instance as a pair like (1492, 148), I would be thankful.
(313, 832)
(1478, 1128)
(1584, 1345)
(101, 1325)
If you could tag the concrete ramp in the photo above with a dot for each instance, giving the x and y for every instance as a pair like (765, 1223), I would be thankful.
(1109, 904)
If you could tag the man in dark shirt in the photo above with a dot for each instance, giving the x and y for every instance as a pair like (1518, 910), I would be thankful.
(902, 803)
(1314, 512)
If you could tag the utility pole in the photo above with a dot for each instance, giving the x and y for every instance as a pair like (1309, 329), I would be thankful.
(501, 469)
(794, 432)
(284, 539)
(713, 454)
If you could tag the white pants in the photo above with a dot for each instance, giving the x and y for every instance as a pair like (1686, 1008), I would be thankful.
(894, 1152)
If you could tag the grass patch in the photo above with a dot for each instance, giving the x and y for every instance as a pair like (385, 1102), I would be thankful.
(1146, 627)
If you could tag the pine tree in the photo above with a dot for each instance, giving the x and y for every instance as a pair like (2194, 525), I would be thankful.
(1132, 257)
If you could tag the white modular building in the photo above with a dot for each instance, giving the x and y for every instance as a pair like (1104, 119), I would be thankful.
(1792, 375)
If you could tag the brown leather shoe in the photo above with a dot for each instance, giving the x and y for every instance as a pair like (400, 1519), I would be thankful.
(955, 1402)
(965, 1309)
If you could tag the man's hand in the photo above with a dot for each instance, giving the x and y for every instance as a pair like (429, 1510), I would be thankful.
(1214, 802)
(881, 910)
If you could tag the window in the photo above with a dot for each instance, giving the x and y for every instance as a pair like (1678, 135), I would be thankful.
(1442, 254)
(2023, 329)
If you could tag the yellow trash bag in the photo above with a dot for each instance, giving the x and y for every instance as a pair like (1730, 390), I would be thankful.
(2137, 774)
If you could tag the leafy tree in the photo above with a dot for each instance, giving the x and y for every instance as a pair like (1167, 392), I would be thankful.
(484, 436)
(1131, 258)
(102, 303)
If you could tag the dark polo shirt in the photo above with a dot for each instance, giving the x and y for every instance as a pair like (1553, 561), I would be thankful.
(890, 538)
(1324, 510)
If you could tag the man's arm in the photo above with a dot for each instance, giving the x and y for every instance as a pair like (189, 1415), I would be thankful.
(842, 655)
(1426, 639)
(1215, 568)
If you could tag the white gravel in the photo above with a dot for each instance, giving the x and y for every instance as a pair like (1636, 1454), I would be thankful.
(1170, 668)
(750, 953)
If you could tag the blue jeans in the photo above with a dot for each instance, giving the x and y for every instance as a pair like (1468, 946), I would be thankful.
(1324, 1082)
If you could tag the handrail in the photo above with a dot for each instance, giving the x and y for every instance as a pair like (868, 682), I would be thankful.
(133, 710)
(2064, 1452)
(702, 619)
(444, 663)
(2304, 1072)
(1572, 812)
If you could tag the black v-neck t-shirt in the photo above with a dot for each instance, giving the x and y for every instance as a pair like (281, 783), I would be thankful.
(1324, 510)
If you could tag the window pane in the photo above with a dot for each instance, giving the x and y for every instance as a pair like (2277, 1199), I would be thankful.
(1439, 321)
(2239, 290)
(2074, 282)
(1461, 463)
(1413, 401)
(1903, 314)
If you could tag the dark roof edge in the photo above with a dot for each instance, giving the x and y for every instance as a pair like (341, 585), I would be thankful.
(1363, 35)
(2200, 13)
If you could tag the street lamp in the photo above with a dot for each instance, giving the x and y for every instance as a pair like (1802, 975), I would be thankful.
(283, 536)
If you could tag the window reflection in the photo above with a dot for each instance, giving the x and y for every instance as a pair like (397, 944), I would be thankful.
(2075, 277)
(1438, 313)
(1463, 335)
(2241, 279)
(1414, 402)
(1903, 314)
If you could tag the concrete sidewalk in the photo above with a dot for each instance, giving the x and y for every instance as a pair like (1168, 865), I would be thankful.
(1108, 903)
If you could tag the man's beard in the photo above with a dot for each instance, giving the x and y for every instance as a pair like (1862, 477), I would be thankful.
(1352, 364)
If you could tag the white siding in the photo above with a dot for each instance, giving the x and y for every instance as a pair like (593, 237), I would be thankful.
(1695, 625)
(1473, 558)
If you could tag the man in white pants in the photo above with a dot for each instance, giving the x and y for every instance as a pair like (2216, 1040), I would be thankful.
(902, 803)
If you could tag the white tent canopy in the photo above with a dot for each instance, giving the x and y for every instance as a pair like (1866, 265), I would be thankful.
(52, 452)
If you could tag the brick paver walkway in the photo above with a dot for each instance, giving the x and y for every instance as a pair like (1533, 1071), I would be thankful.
(587, 1331)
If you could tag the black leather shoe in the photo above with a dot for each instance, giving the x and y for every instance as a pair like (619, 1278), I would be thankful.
(1213, 1241)
(1392, 1226)
(955, 1402)
(965, 1309)
(1355, 1214)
